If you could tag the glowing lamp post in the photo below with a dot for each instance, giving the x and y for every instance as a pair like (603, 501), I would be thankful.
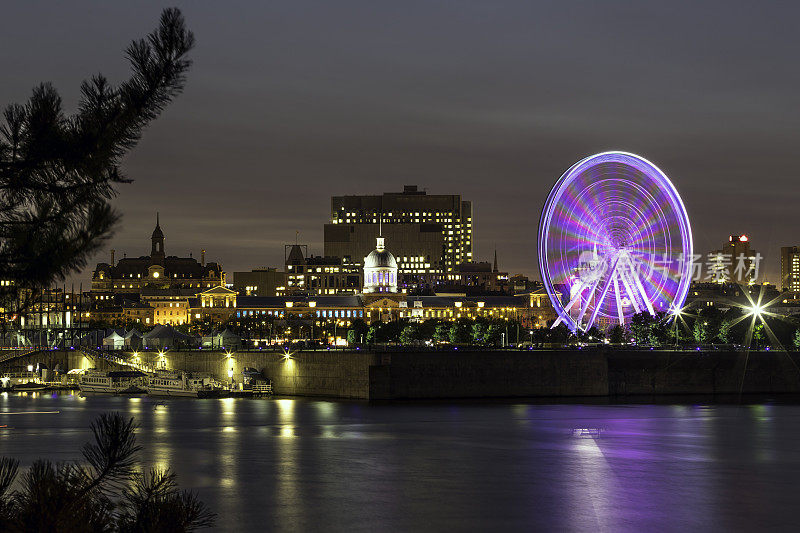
(229, 357)
(676, 314)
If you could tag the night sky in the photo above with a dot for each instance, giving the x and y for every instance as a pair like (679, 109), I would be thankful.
(289, 103)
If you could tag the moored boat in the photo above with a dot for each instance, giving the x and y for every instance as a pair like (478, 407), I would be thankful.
(180, 384)
(113, 382)
(29, 386)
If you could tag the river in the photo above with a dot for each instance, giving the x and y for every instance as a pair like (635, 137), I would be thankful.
(316, 465)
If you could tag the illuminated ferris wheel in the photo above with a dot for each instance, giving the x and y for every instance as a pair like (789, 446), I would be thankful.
(614, 240)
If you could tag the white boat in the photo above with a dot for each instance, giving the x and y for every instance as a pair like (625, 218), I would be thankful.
(181, 384)
(113, 382)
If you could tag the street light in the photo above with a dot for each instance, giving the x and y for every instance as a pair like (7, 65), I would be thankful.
(676, 313)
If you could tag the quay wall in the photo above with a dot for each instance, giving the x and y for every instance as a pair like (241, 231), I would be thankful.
(695, 372)
(476, 374)
(489, 374)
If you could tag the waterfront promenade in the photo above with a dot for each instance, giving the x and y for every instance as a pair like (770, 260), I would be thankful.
(385, 374)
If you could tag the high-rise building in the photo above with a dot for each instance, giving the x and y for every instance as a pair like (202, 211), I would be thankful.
(735, 262)
(790, 268)
(431, 234)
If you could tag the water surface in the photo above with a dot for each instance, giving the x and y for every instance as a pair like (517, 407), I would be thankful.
(312, 465)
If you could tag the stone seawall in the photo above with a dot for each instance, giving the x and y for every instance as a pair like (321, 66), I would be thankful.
(478, 374)
(693, 372)
(487, 374)
(387, 375)
(315, 373)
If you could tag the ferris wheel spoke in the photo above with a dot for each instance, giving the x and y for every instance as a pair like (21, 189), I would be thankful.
(568, 307)
(629, 292)
(620, 311)
(586, 303)
(638, 284)
(640, 287)
(599, 302)
(575, 298)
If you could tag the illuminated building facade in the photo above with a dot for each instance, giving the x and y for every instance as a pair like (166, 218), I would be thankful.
(430, 235)
(153, 289)
(170, 306)
(315, 275)
(790, 269)
(216, 305)
(265, 317)
(490, 307)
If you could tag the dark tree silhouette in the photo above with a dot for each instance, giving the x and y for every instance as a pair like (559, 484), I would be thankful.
(58, 172)
(106, 492)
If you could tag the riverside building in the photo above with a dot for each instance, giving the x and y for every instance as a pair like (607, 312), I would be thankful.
(152, 289)
(157, 270)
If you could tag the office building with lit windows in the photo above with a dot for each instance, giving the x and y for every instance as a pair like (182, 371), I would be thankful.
(430, 234)
(315, 275)
(790, 268)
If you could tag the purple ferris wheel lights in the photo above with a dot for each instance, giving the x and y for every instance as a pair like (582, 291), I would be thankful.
(614, 240)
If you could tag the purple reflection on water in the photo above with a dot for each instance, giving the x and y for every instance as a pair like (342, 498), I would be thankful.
(440, 466)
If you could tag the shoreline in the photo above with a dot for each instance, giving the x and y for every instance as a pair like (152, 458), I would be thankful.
(610, 375)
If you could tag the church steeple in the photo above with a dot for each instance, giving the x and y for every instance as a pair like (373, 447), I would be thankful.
(157, 249)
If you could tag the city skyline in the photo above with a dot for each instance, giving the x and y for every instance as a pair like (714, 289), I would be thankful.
(237, 167)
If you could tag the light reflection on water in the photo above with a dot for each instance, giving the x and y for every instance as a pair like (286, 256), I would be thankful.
(294, 464)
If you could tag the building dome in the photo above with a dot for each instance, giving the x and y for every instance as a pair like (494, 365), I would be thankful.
(380, 270)
(380, 257)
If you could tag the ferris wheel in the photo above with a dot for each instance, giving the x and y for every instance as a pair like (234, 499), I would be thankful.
(614, 240)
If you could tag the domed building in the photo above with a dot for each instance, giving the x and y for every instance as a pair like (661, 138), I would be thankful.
(380, 270)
